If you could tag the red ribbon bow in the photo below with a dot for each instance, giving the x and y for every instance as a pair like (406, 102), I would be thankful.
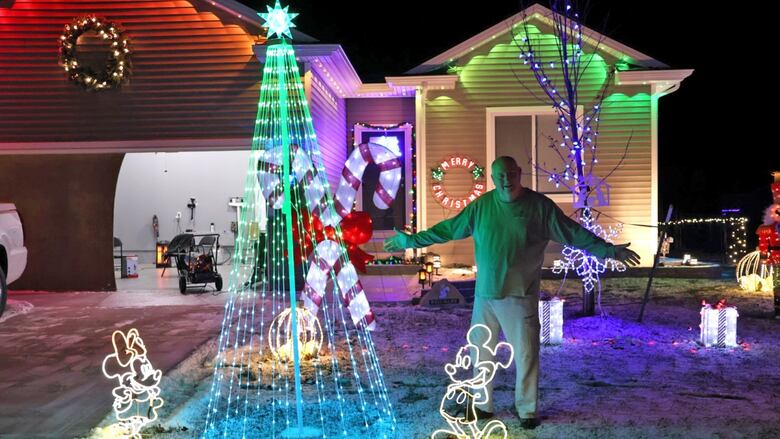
(356, 229)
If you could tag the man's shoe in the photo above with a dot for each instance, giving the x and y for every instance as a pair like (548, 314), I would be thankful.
(480, 414)
(529, 423)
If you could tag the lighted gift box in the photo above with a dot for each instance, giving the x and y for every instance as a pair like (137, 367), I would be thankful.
(551, 320)
(718, 325)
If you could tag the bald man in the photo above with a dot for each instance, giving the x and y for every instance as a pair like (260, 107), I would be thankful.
(511, 226)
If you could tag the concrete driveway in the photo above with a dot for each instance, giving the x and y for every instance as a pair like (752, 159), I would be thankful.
(51, 382)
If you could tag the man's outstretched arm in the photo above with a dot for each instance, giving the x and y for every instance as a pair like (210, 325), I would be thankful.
(457, 227)
(399, 241)
(566, 231)
(626, 255)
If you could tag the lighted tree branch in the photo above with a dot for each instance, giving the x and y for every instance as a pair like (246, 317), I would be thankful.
(559, 76)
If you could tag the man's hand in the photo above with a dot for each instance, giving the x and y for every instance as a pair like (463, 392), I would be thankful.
(625, 255)
(400, 241)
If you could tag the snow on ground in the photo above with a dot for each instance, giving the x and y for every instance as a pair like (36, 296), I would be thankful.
(611, 378)
(15, 308)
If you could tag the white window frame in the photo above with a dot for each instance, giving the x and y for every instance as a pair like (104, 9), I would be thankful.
(490, 144)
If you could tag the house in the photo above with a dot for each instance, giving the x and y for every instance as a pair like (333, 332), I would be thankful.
(476, 101)
(83, 165)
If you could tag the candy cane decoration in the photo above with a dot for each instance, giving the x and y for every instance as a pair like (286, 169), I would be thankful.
(269, 177)
(327, 253)
(327, 257)
(351, 175)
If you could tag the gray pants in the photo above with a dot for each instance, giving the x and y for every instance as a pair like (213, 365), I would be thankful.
(518, 318)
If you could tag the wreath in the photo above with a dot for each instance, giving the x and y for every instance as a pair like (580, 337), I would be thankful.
(448, 200)
(117, 65)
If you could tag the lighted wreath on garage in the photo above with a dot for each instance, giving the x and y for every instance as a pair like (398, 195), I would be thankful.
(117, 64)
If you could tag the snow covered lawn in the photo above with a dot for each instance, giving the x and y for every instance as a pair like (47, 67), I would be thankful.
(612, 376)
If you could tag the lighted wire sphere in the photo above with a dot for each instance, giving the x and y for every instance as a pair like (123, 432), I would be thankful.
(753, 275)
(309, 335)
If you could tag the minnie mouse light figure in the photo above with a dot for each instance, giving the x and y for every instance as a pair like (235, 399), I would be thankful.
(138, 383)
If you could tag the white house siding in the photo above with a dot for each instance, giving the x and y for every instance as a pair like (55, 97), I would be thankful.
(194, 76)
(492, 76)
(380, 111)
(329, 115)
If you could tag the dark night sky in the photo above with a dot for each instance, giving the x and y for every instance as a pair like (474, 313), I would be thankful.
(713, 153)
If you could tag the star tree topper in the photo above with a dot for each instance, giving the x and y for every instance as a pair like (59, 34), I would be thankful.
(278, 20)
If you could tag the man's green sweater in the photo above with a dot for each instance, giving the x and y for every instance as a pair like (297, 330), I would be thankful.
(510, 238)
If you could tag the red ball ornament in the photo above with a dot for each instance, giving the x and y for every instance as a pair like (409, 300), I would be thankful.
(356, 227)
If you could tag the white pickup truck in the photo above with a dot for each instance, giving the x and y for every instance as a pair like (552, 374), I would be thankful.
(13, 253)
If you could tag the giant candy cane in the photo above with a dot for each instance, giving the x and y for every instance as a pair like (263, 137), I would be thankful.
(351, 175)
(269, 177)
(327, 253)
(330, 256)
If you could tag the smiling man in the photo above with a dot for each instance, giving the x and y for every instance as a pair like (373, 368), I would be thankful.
(511, 226)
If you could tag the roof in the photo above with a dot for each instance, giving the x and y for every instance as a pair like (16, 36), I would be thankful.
(249, 16)
(538, 12)
(194, 82)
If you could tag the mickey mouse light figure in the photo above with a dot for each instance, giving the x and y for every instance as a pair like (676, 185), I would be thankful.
(138, 383)
(459, 403)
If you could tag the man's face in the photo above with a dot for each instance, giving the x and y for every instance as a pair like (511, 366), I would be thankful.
(506, 177)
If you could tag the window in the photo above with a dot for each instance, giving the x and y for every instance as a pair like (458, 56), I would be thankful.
(526, 134)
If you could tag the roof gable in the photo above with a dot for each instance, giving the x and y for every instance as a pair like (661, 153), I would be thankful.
(544, 15)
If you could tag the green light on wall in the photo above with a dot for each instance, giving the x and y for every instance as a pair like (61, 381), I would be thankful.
(482, 68)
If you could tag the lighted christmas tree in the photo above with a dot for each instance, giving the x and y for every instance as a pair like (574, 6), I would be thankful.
(283, 370)
(559, 69)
